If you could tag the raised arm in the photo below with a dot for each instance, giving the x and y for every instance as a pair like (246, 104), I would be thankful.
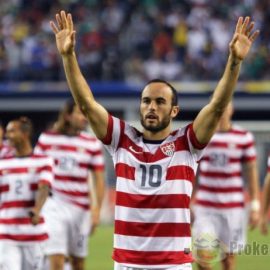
(81, 92)
(206, 122)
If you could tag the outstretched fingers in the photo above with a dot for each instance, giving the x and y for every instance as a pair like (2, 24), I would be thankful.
(239, 25)
(70, 22)
(253, 36)
(245, 25)
(54, 27)
(63, 19)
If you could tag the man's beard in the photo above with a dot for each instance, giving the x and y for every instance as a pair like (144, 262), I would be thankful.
(159, 127)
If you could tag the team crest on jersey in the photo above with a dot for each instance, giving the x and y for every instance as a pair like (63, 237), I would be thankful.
(168, 149)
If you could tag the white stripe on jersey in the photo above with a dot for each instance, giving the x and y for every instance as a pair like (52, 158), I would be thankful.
(221, 197)
(169, 187)
(232, 182)
(153, 215)
(151, 243)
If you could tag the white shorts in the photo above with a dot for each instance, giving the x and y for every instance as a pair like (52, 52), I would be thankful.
(219, 229)
(68, 228)
(185, 266)
(21, 257)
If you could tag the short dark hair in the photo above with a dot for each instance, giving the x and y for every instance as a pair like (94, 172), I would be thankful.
(174, 91)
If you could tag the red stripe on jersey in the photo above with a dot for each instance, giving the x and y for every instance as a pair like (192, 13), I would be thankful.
(220, 174)
(19, 221)
(34, 186)
(152, 229)
(17, 204)
(44, 168)
(62, 147)
(70, 178)
(230, 160)
(151, 257)
(248, 159)
(96, 167)
(125, 171)
(72, 193)
(24, 238)
(14, 170)
(4, 188)
(180, 172)
(221, 189)
(194, 139)
(152, 201)
(220, 205)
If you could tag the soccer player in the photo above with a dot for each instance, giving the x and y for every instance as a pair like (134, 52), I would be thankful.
(67, 211)
(155, 168)
(228, 161)
(5, 149)
(25, 180)
(264, 222)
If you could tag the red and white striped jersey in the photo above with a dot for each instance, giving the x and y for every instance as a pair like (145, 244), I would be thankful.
(19, 179)
(73, 156)
(220, 173)
(153, 190)
(6, 150)
(268, 163)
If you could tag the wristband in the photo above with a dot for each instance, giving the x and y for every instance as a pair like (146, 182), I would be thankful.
(255, 205)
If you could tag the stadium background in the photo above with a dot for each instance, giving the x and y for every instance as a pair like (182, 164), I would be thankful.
(120, 46)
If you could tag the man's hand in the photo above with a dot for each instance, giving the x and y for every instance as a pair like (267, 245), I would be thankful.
(34, 216)
(64, 33)
(254, 218)
(243, 38)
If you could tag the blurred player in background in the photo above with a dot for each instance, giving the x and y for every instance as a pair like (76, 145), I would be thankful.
(228, 161)
(264, 222)
(24, 186)
(154, 168)
(67, 211)
(5, 149)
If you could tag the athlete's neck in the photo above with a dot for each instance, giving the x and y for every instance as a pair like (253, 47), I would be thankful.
(156, 136)
(24, 149)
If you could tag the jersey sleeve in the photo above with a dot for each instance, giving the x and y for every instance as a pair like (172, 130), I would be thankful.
(196, 148)
(39, 147)
(268, 163)
(249, 149)
(115, 130)
(97, 160)
(46, 172)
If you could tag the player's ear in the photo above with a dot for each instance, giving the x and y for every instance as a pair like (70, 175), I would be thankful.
(175, 111)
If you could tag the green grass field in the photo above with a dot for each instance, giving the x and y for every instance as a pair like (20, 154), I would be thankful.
(101, 249)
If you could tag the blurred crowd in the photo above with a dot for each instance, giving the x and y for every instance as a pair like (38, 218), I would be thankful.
(131, 40)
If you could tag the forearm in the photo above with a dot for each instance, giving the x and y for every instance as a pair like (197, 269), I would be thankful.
(266, 196)
(99, 190)
(80, 90)
(253, 181)
(207, 120)
(42, 194)
(225, 88)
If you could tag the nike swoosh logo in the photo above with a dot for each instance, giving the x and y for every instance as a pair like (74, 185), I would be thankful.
(134, 151)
